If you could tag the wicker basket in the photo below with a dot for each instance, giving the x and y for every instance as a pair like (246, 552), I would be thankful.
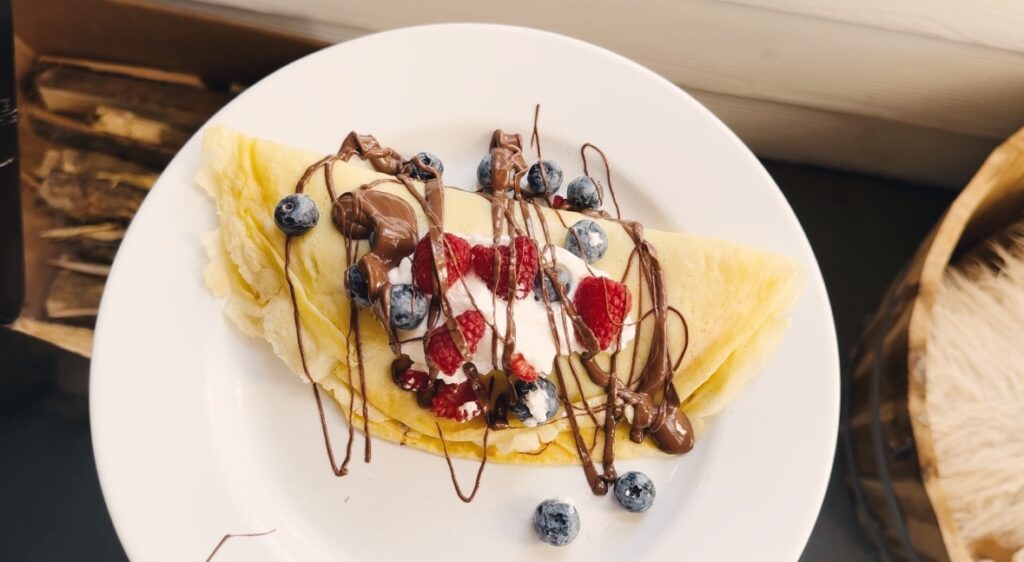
(888, 433)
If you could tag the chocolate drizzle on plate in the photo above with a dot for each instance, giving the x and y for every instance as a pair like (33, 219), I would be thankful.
(230, 536)
(389, 223)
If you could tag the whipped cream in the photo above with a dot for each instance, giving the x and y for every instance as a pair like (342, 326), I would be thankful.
(534, 338)
(537, 403)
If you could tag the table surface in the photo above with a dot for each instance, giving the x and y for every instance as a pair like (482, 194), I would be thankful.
(862, 228)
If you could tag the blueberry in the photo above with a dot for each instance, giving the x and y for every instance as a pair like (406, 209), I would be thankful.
(557, 522)
(563, 278)
(552, 174)
(355, 283)
(408, 307)
(635, 491)
(537, 403)
(582, 194)
(587, 240)
(296, 214)
(429, 160)
(483, 172)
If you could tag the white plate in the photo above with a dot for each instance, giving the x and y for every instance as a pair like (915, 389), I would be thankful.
(200, 431)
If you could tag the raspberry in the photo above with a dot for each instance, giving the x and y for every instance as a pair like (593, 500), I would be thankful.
(602, 304)
(441, 349)
(522, 369)
(527, 263)
(412, 380)
(559, 202)
(456, 252)
(450, 399)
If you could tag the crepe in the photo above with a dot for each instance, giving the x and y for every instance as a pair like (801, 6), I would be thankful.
(735, 300)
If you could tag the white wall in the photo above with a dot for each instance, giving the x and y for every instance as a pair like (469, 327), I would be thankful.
(917, 89)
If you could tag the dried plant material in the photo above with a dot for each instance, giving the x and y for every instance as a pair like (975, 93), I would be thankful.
(94, 250)
(124, 123)
(106, 231)
(96, 242)
(80, 90)
(975, 398)
(67, 131)
(70, 338)
(44, 62)
(103, 166)
(74, 295)
(86, 198)
(64, 262)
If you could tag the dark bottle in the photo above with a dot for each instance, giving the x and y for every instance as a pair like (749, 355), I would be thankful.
(12, 252)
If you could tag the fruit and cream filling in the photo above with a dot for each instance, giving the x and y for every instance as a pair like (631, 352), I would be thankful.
(533, 334)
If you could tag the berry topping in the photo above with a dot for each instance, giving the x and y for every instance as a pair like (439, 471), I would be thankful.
(412, 380)
(635, 491)
(542, 278)
(455, 401)
(582, 194)
(355, 285)
(557, 522)
(559, 202)
(408, 307)
(456, 258)
(586, 239)
(546, 173)
(441, 349)
(422, 172)
(602, 304)
(527, 262)
(296, 214)
(483, 173)
(537, 403)
(522, 369)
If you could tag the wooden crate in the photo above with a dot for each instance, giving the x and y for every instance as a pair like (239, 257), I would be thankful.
(164, 43)
(136, 39)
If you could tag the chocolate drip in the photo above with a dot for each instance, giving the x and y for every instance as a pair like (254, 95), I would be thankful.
(498, 419)
(608, 177)
(382, 159)
(672, 430)
(341, 470)
(451, 468)
(230, 536)
(507, 162)
(389, 220)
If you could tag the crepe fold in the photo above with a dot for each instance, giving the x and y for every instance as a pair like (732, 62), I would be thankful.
(735, 300)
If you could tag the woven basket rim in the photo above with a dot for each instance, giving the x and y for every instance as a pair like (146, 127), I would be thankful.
(1001, 176)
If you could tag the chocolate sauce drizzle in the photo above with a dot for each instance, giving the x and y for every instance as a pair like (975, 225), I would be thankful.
(230, 536)
(451, 468)
(389, 223)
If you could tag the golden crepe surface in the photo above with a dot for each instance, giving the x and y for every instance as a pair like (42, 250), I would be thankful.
(735, 300)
